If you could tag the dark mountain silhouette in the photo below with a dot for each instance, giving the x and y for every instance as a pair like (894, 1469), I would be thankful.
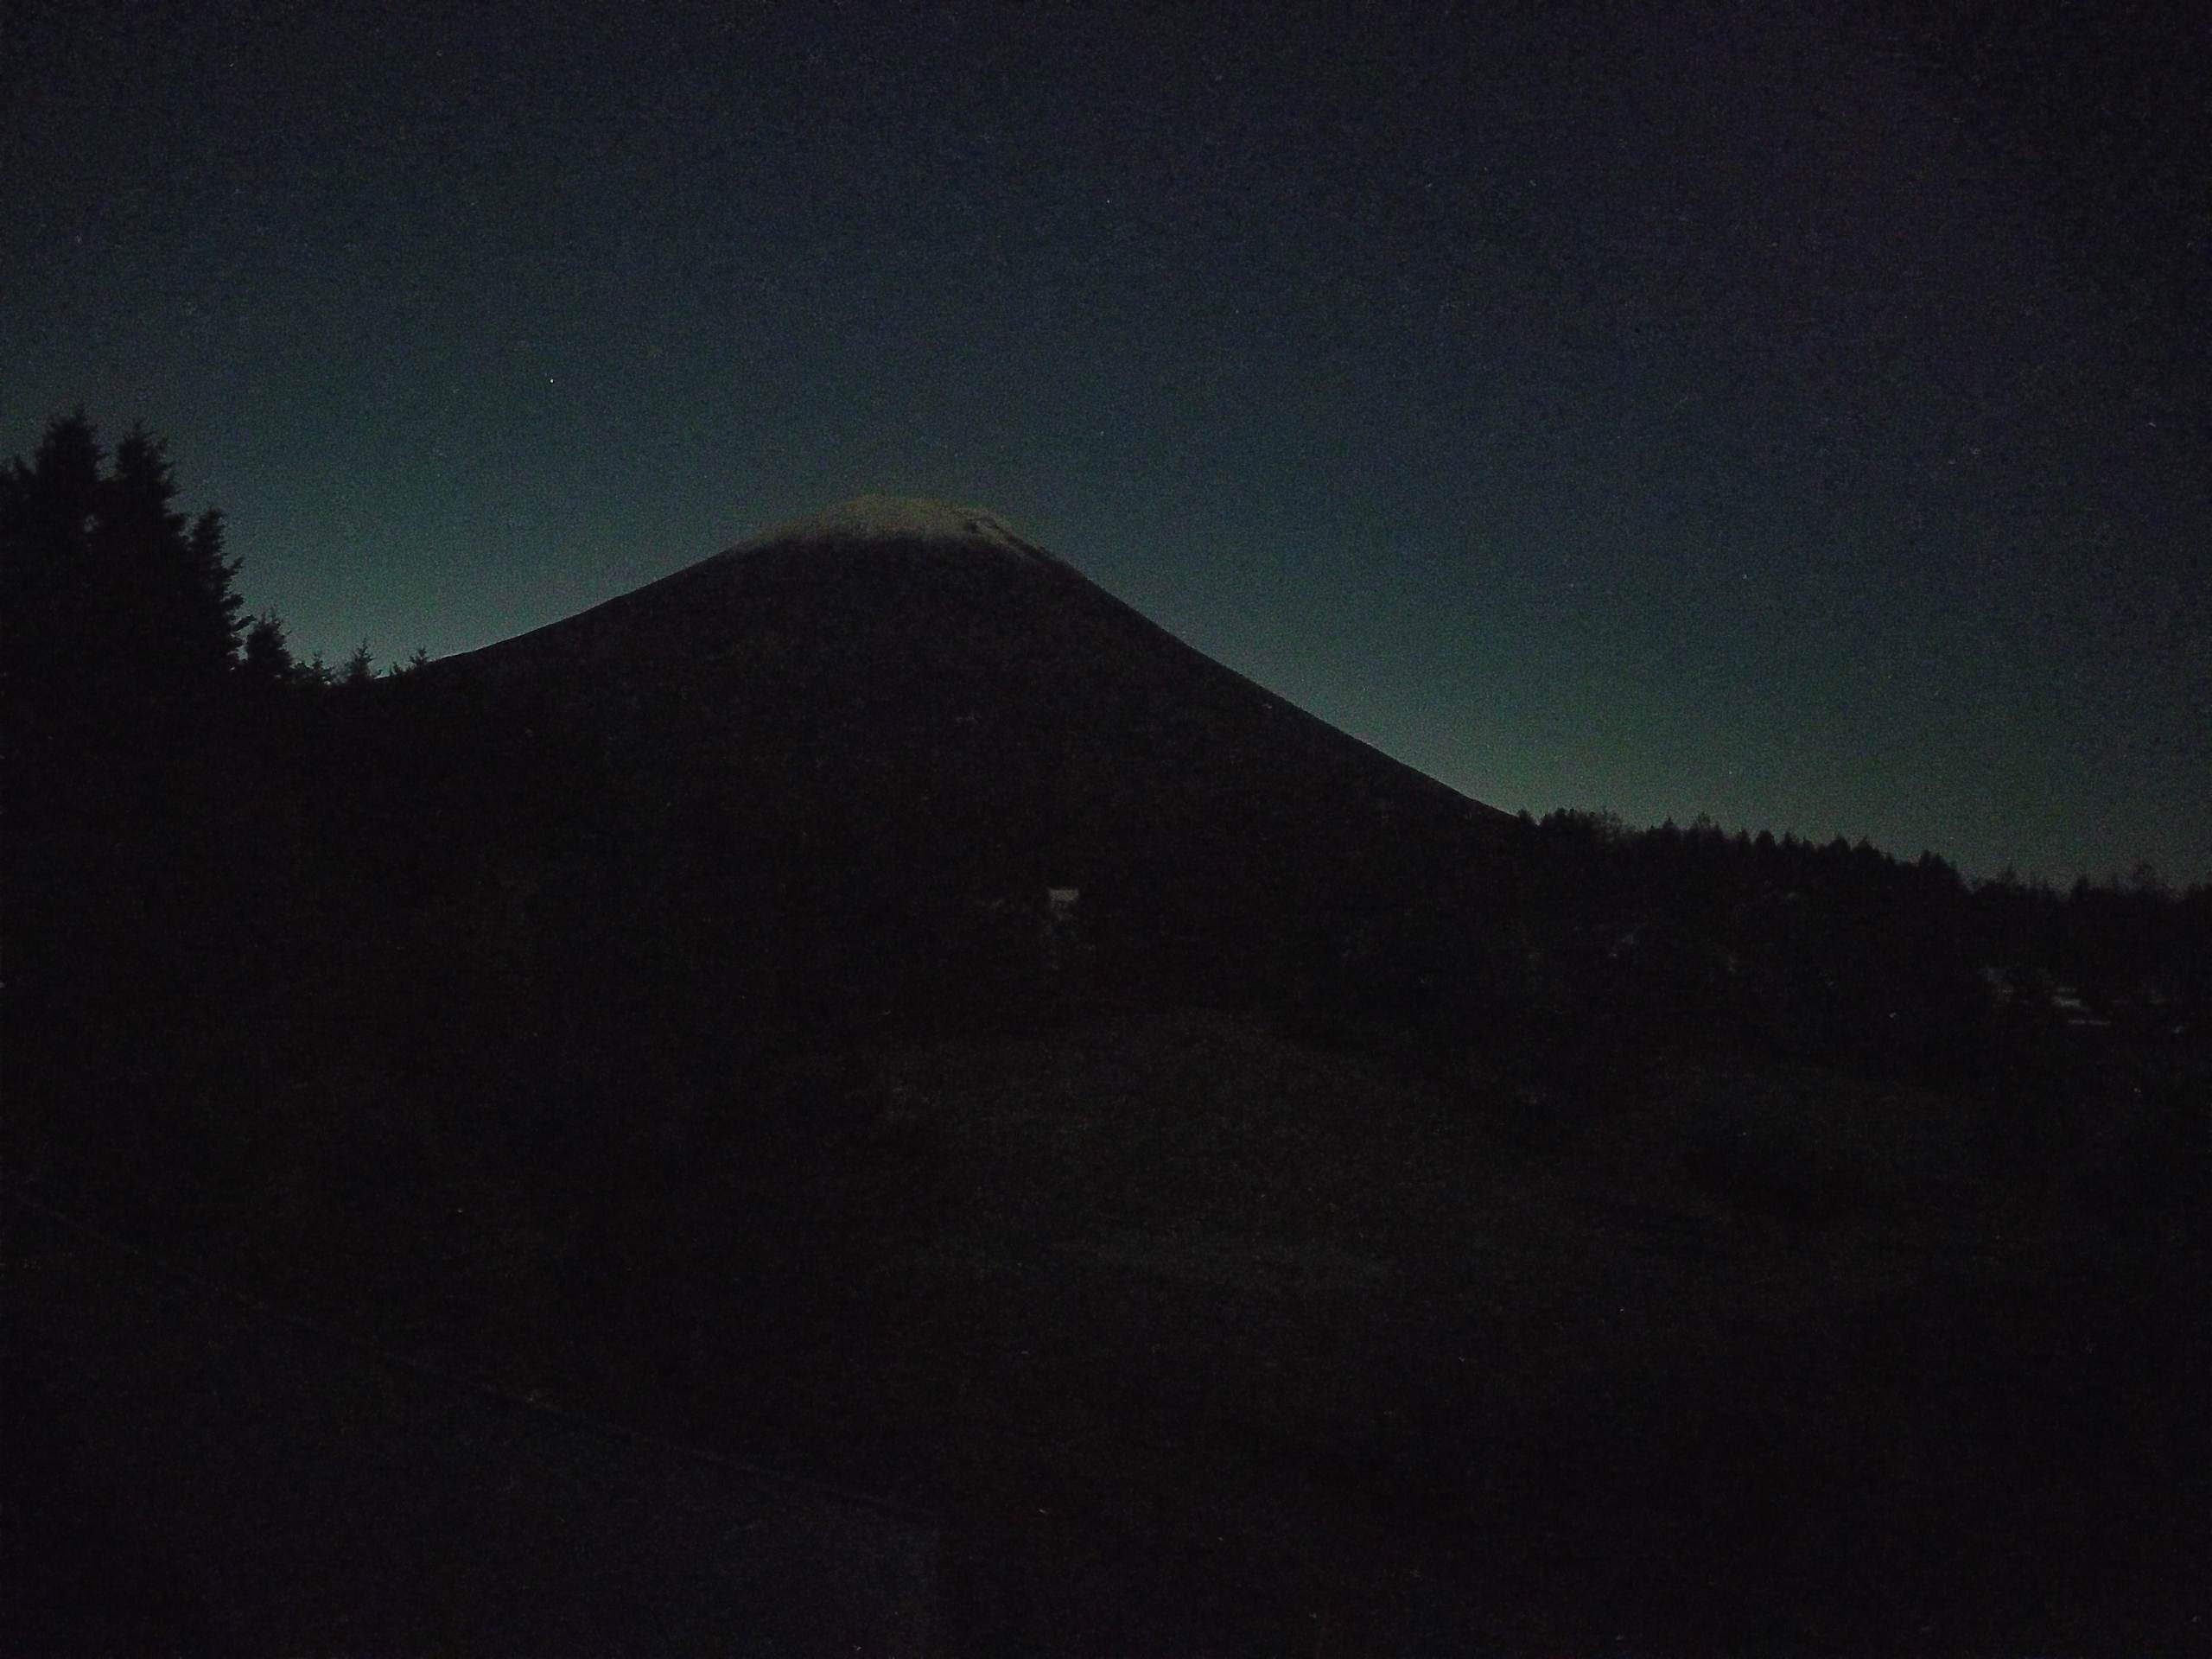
(901, 720)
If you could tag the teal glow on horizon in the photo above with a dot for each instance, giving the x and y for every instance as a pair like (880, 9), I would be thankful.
(1788, 420)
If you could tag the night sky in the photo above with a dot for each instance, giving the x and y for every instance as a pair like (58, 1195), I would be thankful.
(1683, 408)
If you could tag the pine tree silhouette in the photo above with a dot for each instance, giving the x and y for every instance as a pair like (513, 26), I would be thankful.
(120, 619)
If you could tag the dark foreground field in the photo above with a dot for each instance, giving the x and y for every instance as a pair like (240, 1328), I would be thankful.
(1164, 1335)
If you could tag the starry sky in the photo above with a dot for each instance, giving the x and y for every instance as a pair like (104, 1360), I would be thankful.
(1699, 408)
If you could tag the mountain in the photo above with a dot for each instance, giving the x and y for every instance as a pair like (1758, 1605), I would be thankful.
(901, 722)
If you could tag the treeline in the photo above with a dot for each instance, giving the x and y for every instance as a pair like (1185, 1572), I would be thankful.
(1879, 942)
(1591, 947)
(175, 795)
(122, 621)
(274, 924)
(1599, 944)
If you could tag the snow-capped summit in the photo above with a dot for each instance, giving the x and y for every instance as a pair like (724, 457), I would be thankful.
(903, 517)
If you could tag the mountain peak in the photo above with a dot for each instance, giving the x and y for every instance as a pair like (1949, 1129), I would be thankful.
(903, 518)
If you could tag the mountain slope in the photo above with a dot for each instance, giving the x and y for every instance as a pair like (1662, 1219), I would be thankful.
(905, 712)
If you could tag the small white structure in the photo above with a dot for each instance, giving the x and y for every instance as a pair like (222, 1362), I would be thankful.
(1061, 902)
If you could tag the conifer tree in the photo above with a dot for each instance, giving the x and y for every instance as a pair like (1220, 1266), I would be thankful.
(265, 660)
(120, 619)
